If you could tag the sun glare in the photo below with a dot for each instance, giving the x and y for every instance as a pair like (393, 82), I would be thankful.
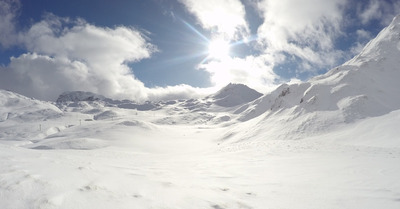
(218, 49)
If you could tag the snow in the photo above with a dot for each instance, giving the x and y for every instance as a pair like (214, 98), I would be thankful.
(134, 163)
(77, 96)
(235, 94)
(330, 142)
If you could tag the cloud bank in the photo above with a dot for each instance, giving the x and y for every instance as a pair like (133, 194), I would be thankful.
(64, 54)
(304, 32)
(378, 10)
(226, 19)
(303, 28)
(70, 54)
(8, 11)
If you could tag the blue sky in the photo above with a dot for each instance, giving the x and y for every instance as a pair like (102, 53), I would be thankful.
(160, 49)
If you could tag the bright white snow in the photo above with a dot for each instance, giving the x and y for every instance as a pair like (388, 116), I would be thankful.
(331, 142)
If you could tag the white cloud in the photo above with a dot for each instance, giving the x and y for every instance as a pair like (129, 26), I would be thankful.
(96, 45)
(223, 17)
(357, 48)
(8, 12)
(66, 54)
(46, 77)
(80, 57)
(70, 54)
(304, 28)
(363, 34)
(383, 11)
(372, 11)
(177, 92)
(227, 18)
(255, 72)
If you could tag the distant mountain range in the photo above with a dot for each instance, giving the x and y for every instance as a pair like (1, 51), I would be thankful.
(365, 86)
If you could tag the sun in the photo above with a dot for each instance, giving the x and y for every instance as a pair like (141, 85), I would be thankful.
(218, 49)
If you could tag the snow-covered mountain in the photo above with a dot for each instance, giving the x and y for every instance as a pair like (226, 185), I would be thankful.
(19, 108)
(78, 96)
(366, 86)
(88, 101)
(230, 96)
(221, 151)
(235, 94)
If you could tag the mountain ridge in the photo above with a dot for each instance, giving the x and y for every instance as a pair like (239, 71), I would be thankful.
(364, 86)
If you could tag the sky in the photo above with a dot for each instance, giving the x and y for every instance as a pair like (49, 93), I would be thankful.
(173, 49)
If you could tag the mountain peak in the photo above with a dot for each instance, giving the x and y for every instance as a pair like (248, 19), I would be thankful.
(365, 86)
(77, 96)
(235, 94)
(385, 45)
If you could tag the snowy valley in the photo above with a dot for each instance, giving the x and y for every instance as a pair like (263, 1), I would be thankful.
(330, 142)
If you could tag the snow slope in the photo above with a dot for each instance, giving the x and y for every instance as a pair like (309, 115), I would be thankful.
(20, 108)
(131, 162)
(366, 86)
(231, 150)
(235, 94)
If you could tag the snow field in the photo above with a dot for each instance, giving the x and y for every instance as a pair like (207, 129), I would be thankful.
(331, 142)
(186, 166)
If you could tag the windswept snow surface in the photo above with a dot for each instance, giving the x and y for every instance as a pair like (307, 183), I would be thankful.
(331, 142)
(130, 161)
